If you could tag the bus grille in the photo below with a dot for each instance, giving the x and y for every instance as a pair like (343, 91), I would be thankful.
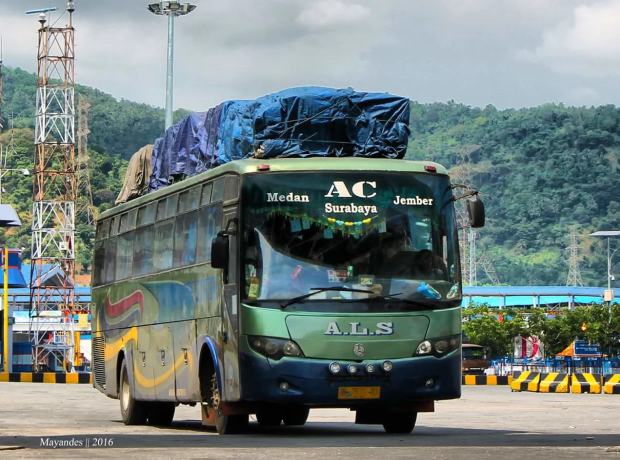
(99, 361)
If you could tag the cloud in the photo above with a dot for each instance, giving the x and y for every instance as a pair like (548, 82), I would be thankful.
(427, 50)
(582, 96)
(587, 45)
(332, 13)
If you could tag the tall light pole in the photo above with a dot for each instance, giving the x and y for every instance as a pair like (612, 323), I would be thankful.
(609, 295)
(171, 9)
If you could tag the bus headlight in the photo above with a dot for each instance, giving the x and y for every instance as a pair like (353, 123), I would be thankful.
(274, 348)
(438, 347)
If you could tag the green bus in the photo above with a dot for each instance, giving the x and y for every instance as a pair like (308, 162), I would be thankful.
(271, 287)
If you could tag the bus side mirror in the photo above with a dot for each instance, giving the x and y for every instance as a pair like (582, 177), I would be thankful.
(219, 251)
(475, 209)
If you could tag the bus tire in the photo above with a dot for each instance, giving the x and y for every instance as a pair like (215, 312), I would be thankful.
(133, 411)
(400, 423)
(269, 417)
(296, 416)
(161, 413)
(225, 424)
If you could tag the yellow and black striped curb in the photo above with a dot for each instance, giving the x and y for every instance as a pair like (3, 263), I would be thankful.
(487, 379)
(586, 383)
(554, 382)
(46, 377)
(612, 384)
(525, 381)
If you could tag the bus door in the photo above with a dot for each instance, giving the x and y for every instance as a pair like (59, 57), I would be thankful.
(230, 317)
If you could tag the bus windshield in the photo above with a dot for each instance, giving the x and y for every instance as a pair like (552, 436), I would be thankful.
(388, 234)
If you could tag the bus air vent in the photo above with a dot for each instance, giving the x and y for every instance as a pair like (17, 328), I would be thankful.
(99, 361)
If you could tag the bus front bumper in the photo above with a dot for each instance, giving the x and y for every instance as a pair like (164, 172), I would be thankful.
(310, 382)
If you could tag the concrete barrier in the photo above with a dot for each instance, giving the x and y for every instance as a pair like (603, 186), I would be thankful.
(586, 383)
(487, 379)
(47, 377)
(554, 382)
(525, 381)
(612, 384)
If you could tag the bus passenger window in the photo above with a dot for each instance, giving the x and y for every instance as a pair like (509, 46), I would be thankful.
(194, 198)
(110, 258)
(185, 240)
(205, 196)
(209, 223)
(171, 205)
(143, 251)
(232, 188)
(161, 210)
(183, 202)
(162, 256)
(218, 190)
(124, 255)
(98, 278)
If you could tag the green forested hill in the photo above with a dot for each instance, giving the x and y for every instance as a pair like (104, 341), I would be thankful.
(540, 170)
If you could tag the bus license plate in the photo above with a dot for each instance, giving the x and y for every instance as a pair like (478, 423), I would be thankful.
(359, 392)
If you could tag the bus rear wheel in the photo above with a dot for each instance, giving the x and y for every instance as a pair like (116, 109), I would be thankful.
(296, 416)
(161, 413)
(400, 423)
(133, 411)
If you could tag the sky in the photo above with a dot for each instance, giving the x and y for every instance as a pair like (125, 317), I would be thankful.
(509, 53)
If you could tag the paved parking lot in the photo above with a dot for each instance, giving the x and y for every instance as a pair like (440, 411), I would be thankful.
(487, 422)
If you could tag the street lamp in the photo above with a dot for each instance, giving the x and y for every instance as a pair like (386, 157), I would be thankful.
(3, 172)
(171, 9)
(609, 295)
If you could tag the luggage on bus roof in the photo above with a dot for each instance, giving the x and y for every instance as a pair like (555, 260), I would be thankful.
(297, 122)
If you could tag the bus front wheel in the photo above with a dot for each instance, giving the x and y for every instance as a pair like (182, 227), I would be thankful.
(133, 411)
(296, 416)
(400, 423)
(225, 424)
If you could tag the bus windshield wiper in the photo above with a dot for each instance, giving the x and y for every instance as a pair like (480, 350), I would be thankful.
(317, 291)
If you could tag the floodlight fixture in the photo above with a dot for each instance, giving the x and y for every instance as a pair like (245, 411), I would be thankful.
(171, 9)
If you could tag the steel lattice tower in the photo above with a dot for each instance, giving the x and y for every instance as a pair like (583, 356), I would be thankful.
(467, 235)
(53, 199)
(574, 275)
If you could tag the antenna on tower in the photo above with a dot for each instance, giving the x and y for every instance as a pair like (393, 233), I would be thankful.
(574, 275)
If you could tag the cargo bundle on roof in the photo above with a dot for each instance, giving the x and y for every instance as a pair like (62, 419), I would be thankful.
(298, 122)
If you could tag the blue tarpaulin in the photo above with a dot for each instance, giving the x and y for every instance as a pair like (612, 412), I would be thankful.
(298, 122)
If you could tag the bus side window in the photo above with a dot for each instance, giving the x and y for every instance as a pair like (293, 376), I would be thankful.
(218, 190)
(124, 255)
(143, 251)
(185, 240)
(232, 188)
(110, 257)
(209, 223)
(205, 196)
(98, 278)
(162, 256)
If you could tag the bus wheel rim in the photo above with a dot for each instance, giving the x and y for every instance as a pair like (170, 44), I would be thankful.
(125, 392)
